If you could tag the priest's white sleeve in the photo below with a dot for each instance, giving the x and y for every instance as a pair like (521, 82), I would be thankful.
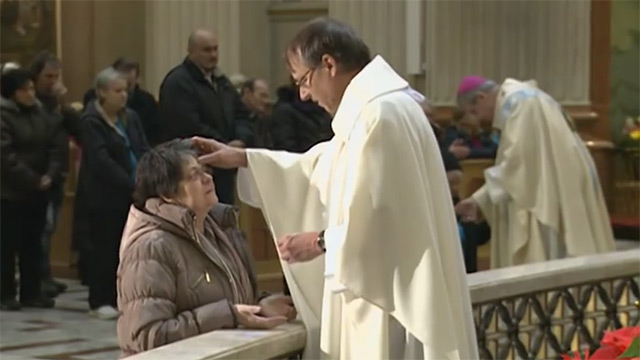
(248, 189)
(495, 186)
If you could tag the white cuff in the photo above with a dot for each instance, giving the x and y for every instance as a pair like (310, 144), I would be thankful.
(334, 238)
(493, 176)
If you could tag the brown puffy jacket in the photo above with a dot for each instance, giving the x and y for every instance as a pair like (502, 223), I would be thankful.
(172, 283)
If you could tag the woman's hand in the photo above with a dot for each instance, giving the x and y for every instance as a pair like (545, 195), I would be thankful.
(248, 317)
(278, 305)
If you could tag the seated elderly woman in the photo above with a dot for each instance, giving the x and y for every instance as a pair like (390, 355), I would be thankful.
(185, 267)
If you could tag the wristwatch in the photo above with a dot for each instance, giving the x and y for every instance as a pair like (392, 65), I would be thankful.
(320, 241)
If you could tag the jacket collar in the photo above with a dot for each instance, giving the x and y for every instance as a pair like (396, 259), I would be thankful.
(12, 106)
(375, 79)
(198, 74)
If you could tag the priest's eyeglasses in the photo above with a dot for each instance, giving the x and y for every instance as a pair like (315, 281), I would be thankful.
(305, 80)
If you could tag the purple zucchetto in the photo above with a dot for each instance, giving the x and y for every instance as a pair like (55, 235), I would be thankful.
(470, 83)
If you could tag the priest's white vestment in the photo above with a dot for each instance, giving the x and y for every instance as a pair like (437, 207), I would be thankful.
(542, 198)
(394, 285)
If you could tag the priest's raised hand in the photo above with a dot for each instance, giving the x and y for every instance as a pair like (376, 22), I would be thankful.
(218, 154)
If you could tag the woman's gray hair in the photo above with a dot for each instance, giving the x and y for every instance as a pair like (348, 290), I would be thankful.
(105, 78)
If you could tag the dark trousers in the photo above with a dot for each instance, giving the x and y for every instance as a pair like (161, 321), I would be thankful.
(22, 223)
(53, 214)
(102, 255)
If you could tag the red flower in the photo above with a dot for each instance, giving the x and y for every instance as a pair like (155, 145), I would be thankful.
(621, 338)
(605, 352)
(613, 344)
(576, 356)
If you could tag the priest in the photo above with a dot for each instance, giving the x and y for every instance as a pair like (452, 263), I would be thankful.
(364, 222)
(542, 198)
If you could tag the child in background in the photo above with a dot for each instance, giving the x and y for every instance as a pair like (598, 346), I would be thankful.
(467, 140)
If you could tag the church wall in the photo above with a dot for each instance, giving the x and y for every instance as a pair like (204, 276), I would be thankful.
(625, 63)
(559, 43)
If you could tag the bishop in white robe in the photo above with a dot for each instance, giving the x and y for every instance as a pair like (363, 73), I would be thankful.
(542, 198)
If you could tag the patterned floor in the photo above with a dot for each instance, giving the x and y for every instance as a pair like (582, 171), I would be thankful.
(63, 333)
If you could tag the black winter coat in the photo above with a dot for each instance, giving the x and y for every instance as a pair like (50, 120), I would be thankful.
(28, 149)
(298, 125)
(190, 105)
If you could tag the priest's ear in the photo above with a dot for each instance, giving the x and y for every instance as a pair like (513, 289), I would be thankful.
(329, 62)
(479, 97)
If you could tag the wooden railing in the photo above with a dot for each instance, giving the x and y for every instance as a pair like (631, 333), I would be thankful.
(534, 311)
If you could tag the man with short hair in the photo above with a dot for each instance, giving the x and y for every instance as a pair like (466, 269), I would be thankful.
(197, 99)
(255, 95)
(542, 198)
(373, 200)
(50, 91)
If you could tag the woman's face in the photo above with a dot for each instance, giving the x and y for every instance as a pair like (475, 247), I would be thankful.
(196, 190)
(114, 96)
(26, 95)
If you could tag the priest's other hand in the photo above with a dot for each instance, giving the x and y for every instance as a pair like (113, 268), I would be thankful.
(469, 211)
(247, 316)
(278, 305)
(219, 155)
(299, 247)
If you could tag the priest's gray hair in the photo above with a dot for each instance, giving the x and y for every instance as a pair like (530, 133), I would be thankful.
(470, 97)
(105, 78)
(325, 36)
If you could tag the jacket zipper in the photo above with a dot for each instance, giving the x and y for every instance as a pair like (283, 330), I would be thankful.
(234, 288)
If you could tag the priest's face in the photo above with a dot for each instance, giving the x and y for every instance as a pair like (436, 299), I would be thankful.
(317, 84)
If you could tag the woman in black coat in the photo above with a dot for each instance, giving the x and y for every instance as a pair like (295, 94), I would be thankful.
(113, 141)
(30, 166)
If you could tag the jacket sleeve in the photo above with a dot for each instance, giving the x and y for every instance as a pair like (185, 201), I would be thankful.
(99, 161)
(244, 126)
(180, 113)
(58, 151)
(482, 153)
(140, 132)
(450, 135)
(16, 170)
(149, 118)
(147, 289)
(72, 123)
(283, 128)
